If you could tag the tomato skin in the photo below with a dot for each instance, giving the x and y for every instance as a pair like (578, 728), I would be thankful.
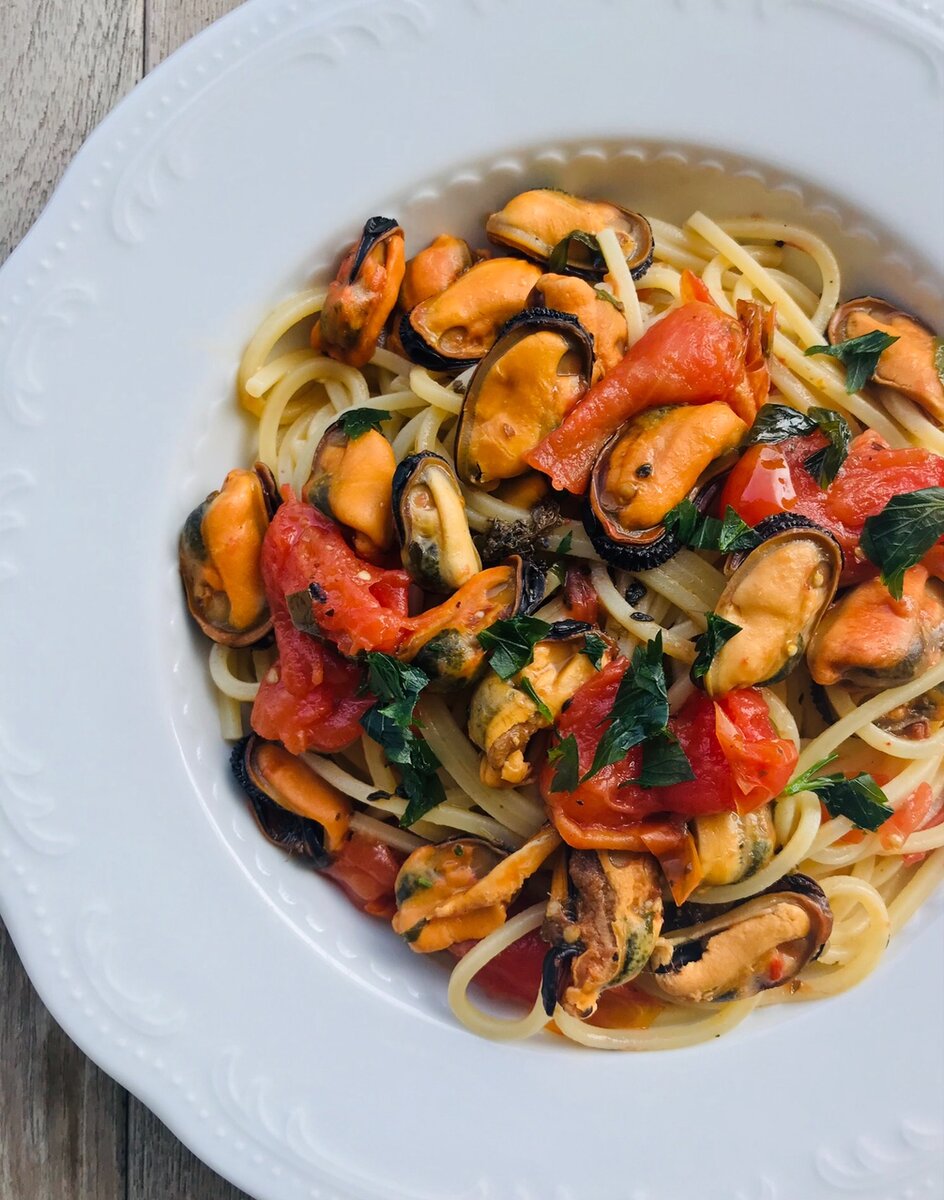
(515, 973)
(772, 479)
(606, 812)
(366, 870)
(580, 596)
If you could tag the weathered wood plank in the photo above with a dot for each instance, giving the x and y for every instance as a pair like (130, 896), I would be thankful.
(63, 65)
(62, 1121)
(171, 22)
(159, 1168)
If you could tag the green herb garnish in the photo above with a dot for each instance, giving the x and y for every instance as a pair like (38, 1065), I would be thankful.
(777, 422)
(594, 647)
(858, 355)
(664, 762)
(718, 633)
(708, 533)
(564, 545)
(565, 754)
(592, 259)
(525, 685)
(511, 643)
(902, 533)
(358, 421)
(603, 294)
(640, 709)
(860, 798)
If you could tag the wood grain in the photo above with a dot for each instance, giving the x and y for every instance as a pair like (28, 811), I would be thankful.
(67, 1131)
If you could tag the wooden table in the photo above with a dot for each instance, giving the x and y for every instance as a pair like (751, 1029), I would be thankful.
(67, 1131)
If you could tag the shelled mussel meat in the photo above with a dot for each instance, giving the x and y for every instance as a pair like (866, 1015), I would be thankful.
(454, 329)
(602, 921)
(776, 596)
(433, 269)
(760, 944)
(543, 221)
(362, 295)
(438, 872)
(913, 366)
(350, 481)
(523, 388)
(597, 310)
(733, 846)
(503, 718)
(219, 550)
(295, 808)
(429, 512)
(657, 459)
(444, 642)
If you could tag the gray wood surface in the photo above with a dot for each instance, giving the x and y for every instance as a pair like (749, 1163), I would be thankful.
(68, 1132)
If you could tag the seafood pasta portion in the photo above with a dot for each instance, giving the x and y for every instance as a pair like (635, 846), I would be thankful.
(583, 613)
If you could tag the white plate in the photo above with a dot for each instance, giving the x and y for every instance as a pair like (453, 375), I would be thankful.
(296, 1046)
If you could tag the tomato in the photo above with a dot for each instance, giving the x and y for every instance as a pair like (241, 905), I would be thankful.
(693, 355)
(580, 596)
(772, 479)
(907, 818)
(743, 768)
(366, 870)
(357, 605)
(515, 973)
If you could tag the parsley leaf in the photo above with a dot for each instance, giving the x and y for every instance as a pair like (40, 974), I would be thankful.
(594, 647)
(902, 533)
(389, 722)
(708, 533)
(858, 355)
(357, 421)
(640, 708)
(860, 798)
(664, 762)
(512, 643)
(777, 422)
(566, 755)
(525, 685)
(580, 246)
(604, 294)
(708, 644)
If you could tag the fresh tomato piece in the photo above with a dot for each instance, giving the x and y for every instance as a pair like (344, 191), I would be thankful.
(760, 485)
(515, 973)
(908, 818)
(580, 596)
(367, 870)
(747, 768)
(693, 355)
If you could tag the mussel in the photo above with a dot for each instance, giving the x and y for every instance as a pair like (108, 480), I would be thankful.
(432, 270)
(659, 458)
(457, 327)
(777, 595)
(220, 548)
(913, 366)
(429, 511)
(597, 310)
(733, 846)
(603, 925)
(523, 388)
(444, 642)
(362, 295)
(557, 228)
(503, 718)
(760, 944)
(870, 640)
(438, 872)
(295, 808)
(350, 481)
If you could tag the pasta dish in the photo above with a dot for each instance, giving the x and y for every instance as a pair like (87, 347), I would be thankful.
(582, 612)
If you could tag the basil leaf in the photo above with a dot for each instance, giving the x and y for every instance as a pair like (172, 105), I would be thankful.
(858, 355)
(735, 534)
(511, 643)
(860, 798)
(683, 521)
(902, 533)
(664, 762)
(776, 423)
(591, 258)
(708, 533)
(603, 294)
(640, 709)
(564, 545)
(525, 685)
(566, 755)
(824, 464)
(594, 647)
(358, 421)
(806, 782)
(396, 685)
(422, 789)
(707, 644)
